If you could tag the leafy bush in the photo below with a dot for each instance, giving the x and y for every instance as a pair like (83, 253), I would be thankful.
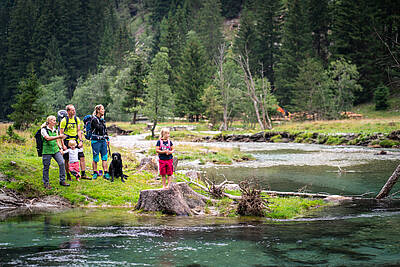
(388, 143)
(276, 138)
(11, 136)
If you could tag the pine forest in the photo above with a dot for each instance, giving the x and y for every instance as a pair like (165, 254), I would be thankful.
(223, 60)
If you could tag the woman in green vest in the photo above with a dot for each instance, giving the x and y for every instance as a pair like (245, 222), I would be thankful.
(51, 149)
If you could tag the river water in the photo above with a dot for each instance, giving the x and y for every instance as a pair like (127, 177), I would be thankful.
(353, 234)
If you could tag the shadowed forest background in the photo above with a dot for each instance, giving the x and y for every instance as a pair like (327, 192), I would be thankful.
(223, 59)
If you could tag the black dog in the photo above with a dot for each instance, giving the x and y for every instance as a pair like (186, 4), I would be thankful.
(115, 168)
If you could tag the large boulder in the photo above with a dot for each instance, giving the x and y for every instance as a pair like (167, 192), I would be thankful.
(179, 200)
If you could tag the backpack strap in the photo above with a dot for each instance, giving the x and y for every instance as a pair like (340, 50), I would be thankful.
(66, 125)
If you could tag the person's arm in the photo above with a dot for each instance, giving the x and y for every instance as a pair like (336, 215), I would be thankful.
(78, 128)
(158, 150)
(62, 126)
(171, 151)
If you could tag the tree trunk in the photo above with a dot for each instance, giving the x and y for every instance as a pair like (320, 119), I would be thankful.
(389, 184)
(134, 117)
(153, 128)
(179, 200)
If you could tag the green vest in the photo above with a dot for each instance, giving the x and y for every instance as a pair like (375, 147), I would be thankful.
(50, 147)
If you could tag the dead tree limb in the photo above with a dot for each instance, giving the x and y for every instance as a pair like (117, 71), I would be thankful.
(297, 194)
(389, 184)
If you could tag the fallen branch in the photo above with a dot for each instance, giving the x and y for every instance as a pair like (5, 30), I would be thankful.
(297, 194)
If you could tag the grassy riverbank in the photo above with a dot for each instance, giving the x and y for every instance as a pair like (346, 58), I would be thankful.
(21, 170)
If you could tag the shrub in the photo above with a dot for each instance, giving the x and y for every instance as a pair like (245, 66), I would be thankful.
(388, 143)
(276, 138)
(381, 98)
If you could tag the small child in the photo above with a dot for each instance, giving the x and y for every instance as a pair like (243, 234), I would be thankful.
(73, 158)
(165, 148)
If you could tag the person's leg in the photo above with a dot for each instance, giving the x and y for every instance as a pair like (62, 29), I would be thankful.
(169, 181)
(104, 158)
(169, 171)
(95, 150)
(163, 181)
(163, 171)
(66, 161)
(81, 157)
(46, 159)
(61, 166)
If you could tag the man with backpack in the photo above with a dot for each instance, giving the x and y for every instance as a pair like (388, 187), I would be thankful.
(70, 126)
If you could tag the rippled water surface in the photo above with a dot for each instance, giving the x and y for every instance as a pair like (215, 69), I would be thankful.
(344, 170)
(354, 234)
(357, 233)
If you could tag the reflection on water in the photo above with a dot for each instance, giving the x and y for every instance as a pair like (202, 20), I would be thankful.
(353, 234)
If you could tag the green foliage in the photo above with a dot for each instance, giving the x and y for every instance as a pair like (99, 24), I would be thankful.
(296, 46)
(93, 91)
(132, 80)
(193, 77)
(276, 138)
(212, 101)
(335, 140)
(208, 26)
(389, 143)
(381, 98)
(54, 95)
(288, 208)
(11, 136)
(312, 91)
(344, 84)
(158, 99)
(27, 108)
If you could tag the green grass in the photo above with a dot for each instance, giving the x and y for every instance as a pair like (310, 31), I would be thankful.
(288, 208)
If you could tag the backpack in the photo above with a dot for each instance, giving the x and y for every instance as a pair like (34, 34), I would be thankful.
(61, 114)
(39, 141)
(87, 121)
(165, 147)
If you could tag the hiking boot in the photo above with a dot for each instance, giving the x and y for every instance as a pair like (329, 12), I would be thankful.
(47, 186)
(107, 176)
(95, 175)
(64, 184)
(85, 177)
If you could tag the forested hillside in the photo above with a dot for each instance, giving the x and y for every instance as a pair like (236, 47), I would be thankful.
(223, 59)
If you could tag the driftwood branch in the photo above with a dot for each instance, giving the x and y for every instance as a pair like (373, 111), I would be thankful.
(389, 184)
(297, 194)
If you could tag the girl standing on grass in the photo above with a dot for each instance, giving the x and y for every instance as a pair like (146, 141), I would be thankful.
(164, 149)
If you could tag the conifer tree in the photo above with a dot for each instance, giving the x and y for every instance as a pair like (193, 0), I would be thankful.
(135, 84)
(44, 30)
(158, 99)
(19, 37)
(27, 108)
(52, 64)
(268, 36)
(5, 95)
(193, 77)
(354, 38)
(245, 42)
(208, 27)
(296, 47)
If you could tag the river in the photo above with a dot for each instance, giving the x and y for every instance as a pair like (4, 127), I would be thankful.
(353, 234)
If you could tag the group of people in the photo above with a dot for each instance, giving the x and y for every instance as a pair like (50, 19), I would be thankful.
(65, 145)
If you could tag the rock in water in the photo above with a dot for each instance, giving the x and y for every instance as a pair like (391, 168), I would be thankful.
(179, 200)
